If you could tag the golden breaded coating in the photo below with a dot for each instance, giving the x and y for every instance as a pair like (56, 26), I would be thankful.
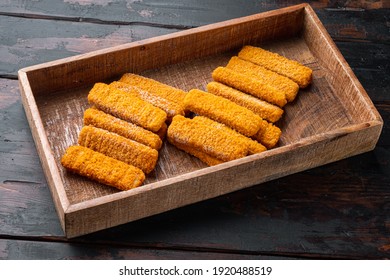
(260, 107)
(249, 85)
(126, 106)
(282, 83)
(268, 134)
(171, 108)
(101, 168)
(292, 69)
(254, 147)
(154, 87)
(207, 159)
(222, 110)
(126, 129)
(118, 147)
(162, 131)
(206, 139)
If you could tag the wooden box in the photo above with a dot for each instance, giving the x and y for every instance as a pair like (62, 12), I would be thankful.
(331, 120)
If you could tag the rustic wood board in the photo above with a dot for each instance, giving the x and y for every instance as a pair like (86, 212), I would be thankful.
(51, 250)
(325, 216)
(331, 120)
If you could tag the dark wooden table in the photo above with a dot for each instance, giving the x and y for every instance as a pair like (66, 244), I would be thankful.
(341, 210)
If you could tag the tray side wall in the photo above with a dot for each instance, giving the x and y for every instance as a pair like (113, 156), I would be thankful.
(351, 93)
(164, 50)
(43, 148)
(205, 184)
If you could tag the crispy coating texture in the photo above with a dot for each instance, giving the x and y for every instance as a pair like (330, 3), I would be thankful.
(254, 147)
(170, 107)
(207, 139)
(126, 129)
(126, 106)
(292, 69)
(260, 107)
(249, 85)
(118, 147)
(222, 110)
(282, 83)
(162, 131)
(154, 87)
(268, 134)
(101, 168)
(207, 159)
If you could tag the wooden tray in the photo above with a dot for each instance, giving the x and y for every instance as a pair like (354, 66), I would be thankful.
(331, 120)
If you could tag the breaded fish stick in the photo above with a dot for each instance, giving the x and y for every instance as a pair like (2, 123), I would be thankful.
(118, 147)
(209, 160)
(126, 106)
(292, 69)
(206, 139)
(262, 108)
(268, 134)
(254, 147)
(171, 108)
(162, 131)
(222, 110)
(126, 129)
(154, 87)
(282, 83)
(101, 168)
(249, 85)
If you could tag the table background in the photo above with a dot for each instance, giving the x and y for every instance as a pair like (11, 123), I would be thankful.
(340, 210)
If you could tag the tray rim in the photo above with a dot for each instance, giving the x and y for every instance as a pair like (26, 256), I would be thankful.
(56, 186)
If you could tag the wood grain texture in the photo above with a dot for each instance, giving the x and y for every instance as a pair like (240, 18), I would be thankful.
(54, 250)
(42, 42)
(348, 221)
(38, 42)
(340, 125)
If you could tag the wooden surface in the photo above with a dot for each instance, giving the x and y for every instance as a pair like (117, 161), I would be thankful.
(340, 210)
(330, 120)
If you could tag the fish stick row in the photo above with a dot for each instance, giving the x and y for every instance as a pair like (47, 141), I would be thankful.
(124, 128)
(101, 168)
(262, 82)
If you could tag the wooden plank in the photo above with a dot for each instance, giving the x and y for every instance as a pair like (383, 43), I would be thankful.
(15, 137)
(359, 35)
(187, 13)
(369, 62)
(39, 41)
(184, 13)
(11, 249)
(369, 174)
(25, 201)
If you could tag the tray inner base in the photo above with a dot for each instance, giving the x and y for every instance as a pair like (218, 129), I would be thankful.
(317, 109)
